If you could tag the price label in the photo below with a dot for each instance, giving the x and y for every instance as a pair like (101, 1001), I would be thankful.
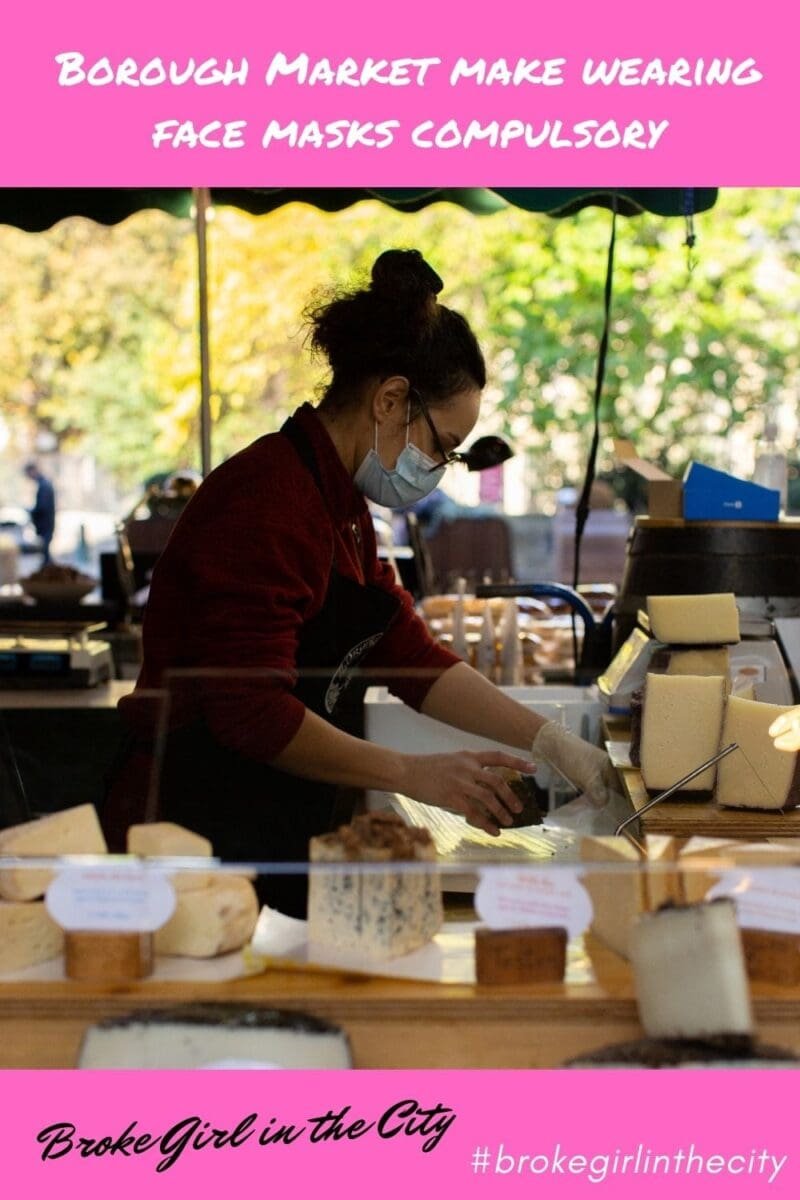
(533, 898)
(120, 899)
(764, 898)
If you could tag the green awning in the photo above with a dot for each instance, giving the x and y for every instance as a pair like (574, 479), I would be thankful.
(35, 209)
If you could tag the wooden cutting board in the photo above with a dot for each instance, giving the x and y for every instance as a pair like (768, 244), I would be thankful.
(689, 818)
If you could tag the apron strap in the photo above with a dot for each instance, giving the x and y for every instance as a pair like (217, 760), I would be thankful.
(305, 451)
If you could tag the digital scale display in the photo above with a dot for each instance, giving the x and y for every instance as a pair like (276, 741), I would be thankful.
(34, 662)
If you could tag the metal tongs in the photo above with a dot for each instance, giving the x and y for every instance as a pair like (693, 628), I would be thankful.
(676, 787)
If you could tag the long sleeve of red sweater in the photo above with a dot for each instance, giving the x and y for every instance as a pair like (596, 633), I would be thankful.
(246, 567)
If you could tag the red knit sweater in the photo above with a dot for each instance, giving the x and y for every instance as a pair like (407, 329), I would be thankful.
(245, 567)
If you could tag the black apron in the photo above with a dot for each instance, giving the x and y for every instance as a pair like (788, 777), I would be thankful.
(256, 813)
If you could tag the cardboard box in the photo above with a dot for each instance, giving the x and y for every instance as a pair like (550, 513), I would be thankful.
(664, 494)
(711, 495)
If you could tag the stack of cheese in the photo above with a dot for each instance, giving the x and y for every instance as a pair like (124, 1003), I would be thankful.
(688, 714)
(28, 935)
(214, 913)
(684, 705)
(380, 913)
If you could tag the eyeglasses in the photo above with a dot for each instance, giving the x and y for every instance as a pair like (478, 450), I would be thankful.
(486, 452)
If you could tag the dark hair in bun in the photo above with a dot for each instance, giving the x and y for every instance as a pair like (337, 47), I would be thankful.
(394, 326)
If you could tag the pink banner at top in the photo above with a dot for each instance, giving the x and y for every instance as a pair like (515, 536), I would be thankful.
(515, 93)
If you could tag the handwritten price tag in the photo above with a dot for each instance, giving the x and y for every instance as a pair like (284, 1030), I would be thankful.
(533, 898)
(119, 899)
(765, 899)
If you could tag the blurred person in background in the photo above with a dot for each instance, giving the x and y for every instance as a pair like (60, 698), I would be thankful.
(43, 513)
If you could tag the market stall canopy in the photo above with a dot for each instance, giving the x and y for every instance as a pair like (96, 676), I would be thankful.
(36, 209)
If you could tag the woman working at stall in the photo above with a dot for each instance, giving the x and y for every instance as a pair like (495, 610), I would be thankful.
(271, 594)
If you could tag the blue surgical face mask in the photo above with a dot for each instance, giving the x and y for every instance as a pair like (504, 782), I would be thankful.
(413, 476)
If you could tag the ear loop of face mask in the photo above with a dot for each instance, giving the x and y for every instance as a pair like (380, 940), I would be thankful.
(408, 426)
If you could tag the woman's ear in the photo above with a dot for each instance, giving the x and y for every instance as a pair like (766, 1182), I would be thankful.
(390, 400)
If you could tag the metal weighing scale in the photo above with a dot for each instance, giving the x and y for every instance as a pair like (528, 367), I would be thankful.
(759, 658)
(53, 654)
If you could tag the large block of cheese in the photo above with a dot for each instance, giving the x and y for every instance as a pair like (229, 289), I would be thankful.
(158, 839)
(681, 724)
(74, 831)
(28, 935)
(690, 974)
(710, 620)
(618, 896)
(210, 920)
(214, 1035)
(757, 775)
(379, 914)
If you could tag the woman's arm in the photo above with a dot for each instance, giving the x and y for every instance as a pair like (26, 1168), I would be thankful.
(457, 782)
(464, 698)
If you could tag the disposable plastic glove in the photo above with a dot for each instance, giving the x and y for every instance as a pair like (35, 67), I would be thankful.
(584, 765)
(786, 730)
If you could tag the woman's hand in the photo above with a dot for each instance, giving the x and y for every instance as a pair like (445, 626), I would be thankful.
(585, 766)
(460, 783)
(785, 731)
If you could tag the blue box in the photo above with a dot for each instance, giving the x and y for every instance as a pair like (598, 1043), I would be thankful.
(710, 495)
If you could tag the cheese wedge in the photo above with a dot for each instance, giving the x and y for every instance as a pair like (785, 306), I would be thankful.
(618, 897)
(164, 838)
(757, 775)
(28, 935)
(689, 971)
(378, 914)
(211, 920)
(681, 724)
(663, 883)
(709, 620)
(74, 831)
(713, 660)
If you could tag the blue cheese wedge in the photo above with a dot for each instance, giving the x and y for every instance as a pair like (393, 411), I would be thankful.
(378, 914)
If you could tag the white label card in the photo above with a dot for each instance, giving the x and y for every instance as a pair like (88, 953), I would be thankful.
(765, 899)
(533, 898)
(119, 899)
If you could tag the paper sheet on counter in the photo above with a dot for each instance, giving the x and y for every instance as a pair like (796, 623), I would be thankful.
(281, 941)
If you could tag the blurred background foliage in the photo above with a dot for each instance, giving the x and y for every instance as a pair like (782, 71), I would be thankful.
(98, 340)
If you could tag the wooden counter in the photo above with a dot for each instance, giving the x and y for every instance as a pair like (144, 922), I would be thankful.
(391, 1023)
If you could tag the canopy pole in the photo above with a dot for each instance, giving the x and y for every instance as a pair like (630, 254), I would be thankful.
(202, 199)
